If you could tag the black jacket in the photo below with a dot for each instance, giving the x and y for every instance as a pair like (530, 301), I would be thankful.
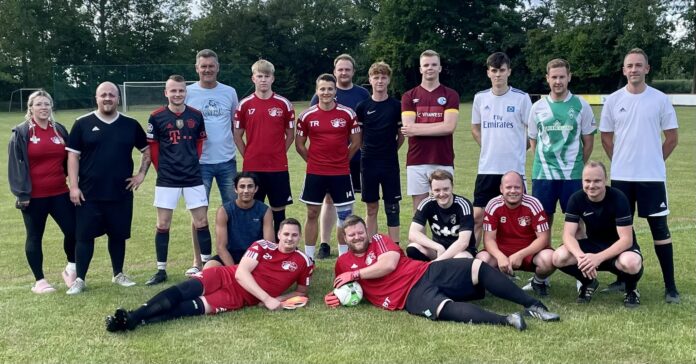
(18, 160)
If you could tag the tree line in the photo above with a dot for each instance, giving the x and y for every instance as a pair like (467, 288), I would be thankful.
(301, 37)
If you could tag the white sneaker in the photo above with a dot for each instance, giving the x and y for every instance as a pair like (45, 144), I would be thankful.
(192, 271)
(122, 280)
(77, 287)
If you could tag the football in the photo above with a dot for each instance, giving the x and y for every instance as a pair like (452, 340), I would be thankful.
(349, 294)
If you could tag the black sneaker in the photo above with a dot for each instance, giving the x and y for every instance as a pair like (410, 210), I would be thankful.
(632, 299)
(324, 251)
(157, 278)
(672, 296)
(117, 322)
(616, 286)
(541, 312)
(541, 289)
(517, 321)
(586, 291)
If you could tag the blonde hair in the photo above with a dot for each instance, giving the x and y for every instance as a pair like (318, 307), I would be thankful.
(263, 66)
(380, 68)
(29, 116)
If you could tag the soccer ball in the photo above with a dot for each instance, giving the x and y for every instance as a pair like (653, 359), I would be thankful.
(349, 294)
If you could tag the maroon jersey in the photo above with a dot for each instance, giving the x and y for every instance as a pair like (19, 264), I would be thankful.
(430, 107)
(275, 273)
(327, 132)
(47, 155)
(515, 228)
(265, 122)
(390, 291)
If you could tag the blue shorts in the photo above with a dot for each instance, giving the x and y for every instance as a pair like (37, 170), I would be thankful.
(548, 191)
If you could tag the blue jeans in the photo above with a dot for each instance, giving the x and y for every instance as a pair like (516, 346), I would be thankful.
(224, 174)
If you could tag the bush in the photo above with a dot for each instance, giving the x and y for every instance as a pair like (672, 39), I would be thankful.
(673, 86)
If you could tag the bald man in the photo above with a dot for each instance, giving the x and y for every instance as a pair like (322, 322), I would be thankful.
(101, 181)
(516, 233)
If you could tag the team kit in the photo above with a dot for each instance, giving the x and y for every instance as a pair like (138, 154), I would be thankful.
(349, 138)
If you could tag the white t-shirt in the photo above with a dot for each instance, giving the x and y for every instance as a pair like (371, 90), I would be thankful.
(217, 105)
(503, 121)
(637, 122)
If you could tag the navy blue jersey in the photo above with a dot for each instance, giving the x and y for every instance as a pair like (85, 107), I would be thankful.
(177, 136)
(350, 97)
(105, 151)
(445, 224)
(380, 121)
(244, 226)
(600, 218)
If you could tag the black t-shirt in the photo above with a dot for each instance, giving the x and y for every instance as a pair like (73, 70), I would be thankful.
(380, 122)
(106, 155)
(600, 218)
(445, 224)
(177, 136)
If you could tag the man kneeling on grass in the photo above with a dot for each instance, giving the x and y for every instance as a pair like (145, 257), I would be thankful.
(264, 273)
(437, 290)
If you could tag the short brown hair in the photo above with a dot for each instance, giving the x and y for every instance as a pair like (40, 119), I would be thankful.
(353, 220)
(344, 56)
(557, 63)
(497, 60)
(206, 53)
(177, 78)
(380, 68)
(440, 175)
(290, 221)
(638, 51)
(594, 164)
(326, 77)
(429, 53)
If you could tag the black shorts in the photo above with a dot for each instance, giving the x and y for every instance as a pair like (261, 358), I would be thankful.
(594, 247)
(316, 187)
(237, 256)
(96, 218)
(387, 175)
(651, 197)
(487, 186)
(275, 185)
(448, 279)
(355, 172)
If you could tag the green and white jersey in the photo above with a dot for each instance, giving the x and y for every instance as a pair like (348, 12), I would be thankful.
(558, 127)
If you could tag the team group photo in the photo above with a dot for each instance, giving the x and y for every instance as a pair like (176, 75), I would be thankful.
(389, 216)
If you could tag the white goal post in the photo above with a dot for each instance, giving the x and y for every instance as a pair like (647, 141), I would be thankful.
(22, 92)
(143, 95)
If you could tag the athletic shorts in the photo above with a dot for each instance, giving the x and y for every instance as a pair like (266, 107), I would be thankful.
(315, 187)
(168, 197)
(590, 246)
(417, 176)
(651, 197)
(236, 256)
(528, 261)
(488, 186)
(548, 191)
(275, 186)
(376, 174)
(96, 218)
(355, 173)
(219, 289)
(444, 280)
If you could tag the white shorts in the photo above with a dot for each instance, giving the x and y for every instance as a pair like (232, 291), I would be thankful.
(417, 177)
(168, 197)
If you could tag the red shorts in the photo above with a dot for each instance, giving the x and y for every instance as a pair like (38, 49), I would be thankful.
(220, 289)
(527, 264)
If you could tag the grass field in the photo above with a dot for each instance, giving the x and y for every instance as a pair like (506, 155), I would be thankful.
(57, 328)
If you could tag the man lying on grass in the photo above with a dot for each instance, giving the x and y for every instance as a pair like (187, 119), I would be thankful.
(264, 273)
(437, 290)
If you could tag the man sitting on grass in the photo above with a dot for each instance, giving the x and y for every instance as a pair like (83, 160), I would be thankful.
(264, 273)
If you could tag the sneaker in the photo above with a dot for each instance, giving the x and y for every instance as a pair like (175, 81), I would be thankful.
(69, 277)
(517, 321)
(616, 286)
(192, 271)
(672, 296)
(541, 312)
(119, 321)
(77, 287)
(42, 286)
(586, 291)
(541, 289)
(632, 299)
(122, 280)
(324, 251)
(157, 278)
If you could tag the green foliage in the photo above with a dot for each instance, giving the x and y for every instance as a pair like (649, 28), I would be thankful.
(673, 86)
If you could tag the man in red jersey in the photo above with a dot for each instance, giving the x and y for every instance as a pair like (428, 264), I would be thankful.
(266, 271)
(327, 126)
(268, 120)
(436, 290)
(516, 233)
(429, 116)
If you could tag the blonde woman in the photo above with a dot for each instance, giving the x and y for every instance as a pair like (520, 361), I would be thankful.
(37, 174)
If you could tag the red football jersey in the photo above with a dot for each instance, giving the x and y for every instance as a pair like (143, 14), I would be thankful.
(515, 228)
(430, 107)
(47, 155)
(265, 123)
(388, 292)
(327, 132)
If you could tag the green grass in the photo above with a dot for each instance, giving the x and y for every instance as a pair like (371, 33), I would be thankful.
(58, 328)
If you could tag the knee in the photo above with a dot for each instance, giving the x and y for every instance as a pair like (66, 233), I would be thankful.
(629, 262)
(211, 264)
(313, 212)
(342, 212)
(392, 210)
(561, 257)
(485, 257)
(200, 222)
(372, 209)
(659, 228)
(544, 260)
